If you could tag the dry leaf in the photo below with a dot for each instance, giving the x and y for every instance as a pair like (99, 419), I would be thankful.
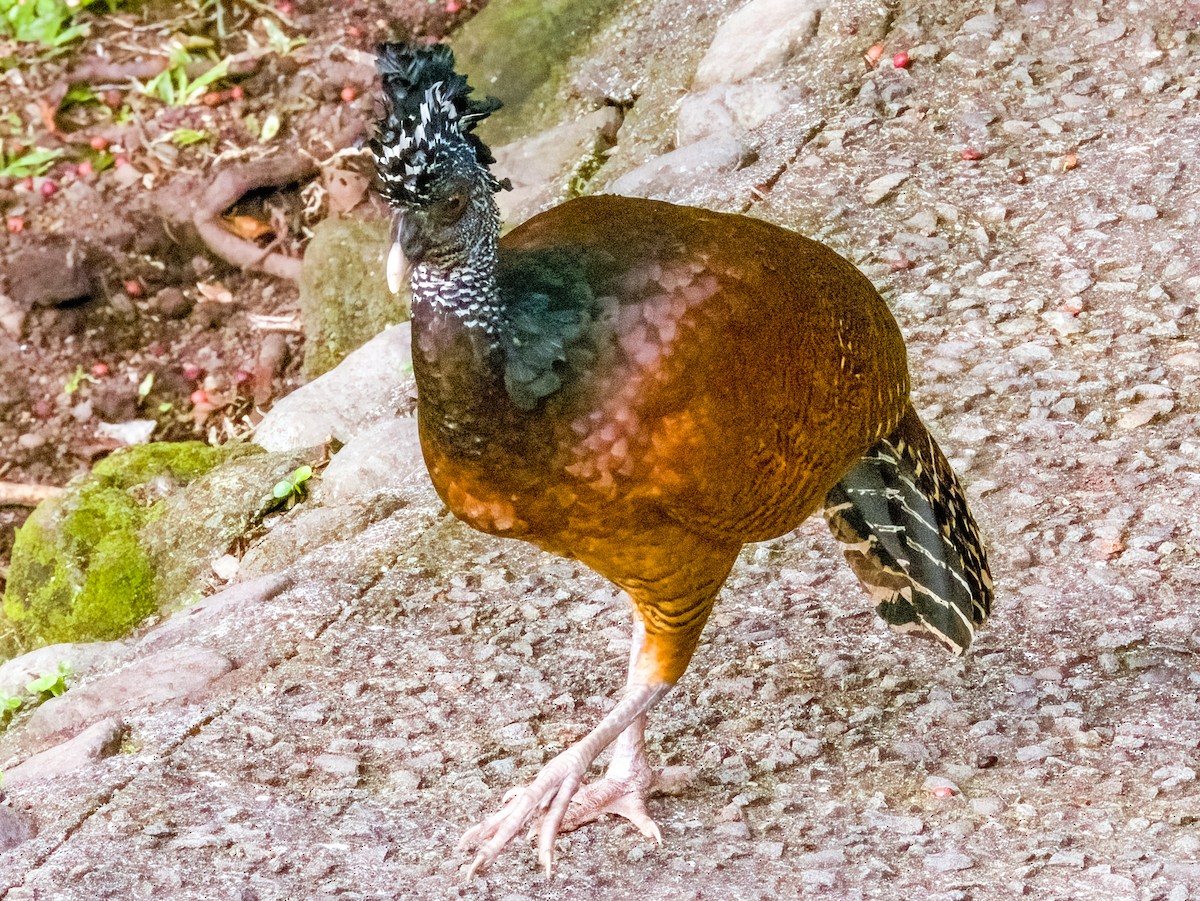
(246, 227)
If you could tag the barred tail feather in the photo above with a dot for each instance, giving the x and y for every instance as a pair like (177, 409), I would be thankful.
(902, 520)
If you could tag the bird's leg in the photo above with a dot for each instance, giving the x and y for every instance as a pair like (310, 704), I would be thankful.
(556, 784)
(671, 605)
(629, 778)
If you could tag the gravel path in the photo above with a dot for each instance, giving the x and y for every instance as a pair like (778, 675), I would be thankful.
(1024, 191)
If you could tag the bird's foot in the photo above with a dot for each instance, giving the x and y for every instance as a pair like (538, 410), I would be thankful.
(549, 795)
(625, 797)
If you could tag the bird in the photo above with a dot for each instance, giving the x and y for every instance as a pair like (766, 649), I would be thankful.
(646, 388)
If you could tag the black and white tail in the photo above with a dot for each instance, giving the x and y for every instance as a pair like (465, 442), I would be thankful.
(902, 520)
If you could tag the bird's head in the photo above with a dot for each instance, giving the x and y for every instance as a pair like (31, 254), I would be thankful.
(431, 167)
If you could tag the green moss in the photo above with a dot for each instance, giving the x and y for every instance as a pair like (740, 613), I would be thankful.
(548, 33)
(79, 572)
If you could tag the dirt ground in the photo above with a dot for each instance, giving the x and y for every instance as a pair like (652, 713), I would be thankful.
(106, 281)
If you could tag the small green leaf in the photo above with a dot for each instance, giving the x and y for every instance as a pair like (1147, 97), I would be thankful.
(283, 489)
(270, 128)
(75, 382)
(146, 386)
(183, 137)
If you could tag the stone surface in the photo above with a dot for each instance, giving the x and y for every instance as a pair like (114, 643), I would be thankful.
(82, 657)
(542, 167)
(371, 385)
(700, 161)
(451, 665)
(758, 39)
(172, 676)
(94, 743)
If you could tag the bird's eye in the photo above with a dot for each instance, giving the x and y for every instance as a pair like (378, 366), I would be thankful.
(455, 205)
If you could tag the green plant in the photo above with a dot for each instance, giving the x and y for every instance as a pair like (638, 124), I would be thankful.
(8, 706)
(182, 137)
(173, 87)
(23, 163)
(292, 489)
(277, 40)
(52, 684)
(75, 382)
(45, 22)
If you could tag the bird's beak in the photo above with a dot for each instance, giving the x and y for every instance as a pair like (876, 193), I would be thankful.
(398, 265)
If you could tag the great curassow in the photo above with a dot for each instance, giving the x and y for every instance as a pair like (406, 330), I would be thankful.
(646, 388)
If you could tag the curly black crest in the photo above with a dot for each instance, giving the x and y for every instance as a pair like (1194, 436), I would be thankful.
(427, 130)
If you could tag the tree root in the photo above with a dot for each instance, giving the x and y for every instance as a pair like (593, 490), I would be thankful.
(227, 189)
(19, 494)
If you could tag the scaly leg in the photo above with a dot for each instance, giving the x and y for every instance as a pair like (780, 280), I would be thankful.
(556, 784)
(629, 778)
(670, 607)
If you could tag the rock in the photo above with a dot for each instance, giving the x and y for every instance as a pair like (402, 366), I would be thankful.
(177, 675)
(757, 40)
(94, 743)
(15, 828)
(948, 862)
(368, 387)
(731, 110)
(344, 297)
(171, 303)
(542, 168)
(381, 457)
(877, 190)
(661, 176)
(82, 658)
(342, 765)
(80, 569)
(54, 271)
(128, 433)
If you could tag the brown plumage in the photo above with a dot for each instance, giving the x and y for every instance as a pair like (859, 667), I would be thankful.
(646, 388)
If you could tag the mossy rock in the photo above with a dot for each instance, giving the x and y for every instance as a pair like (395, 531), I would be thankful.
(79, 571)
(344, 297)
(518, 50)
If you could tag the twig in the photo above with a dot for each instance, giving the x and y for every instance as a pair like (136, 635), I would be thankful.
(19, 494)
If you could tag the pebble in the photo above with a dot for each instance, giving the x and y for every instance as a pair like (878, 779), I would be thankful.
(662, 176)
(948, 862)
(757, 39)
(344, 765)
(881, 187)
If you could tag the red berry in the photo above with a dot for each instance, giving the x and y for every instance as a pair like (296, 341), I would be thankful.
(84, 169)
(453, 6)
(15, 224)
(98, 142)
(121, 161)
(133, 288)
(199, 396)
(970, 153)
(353, 31)
(242, 376)
(900, 60)
(874, 54)
(99, 370)
(285, 7)
(237, 92)
(49, 188)
(348, 94)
